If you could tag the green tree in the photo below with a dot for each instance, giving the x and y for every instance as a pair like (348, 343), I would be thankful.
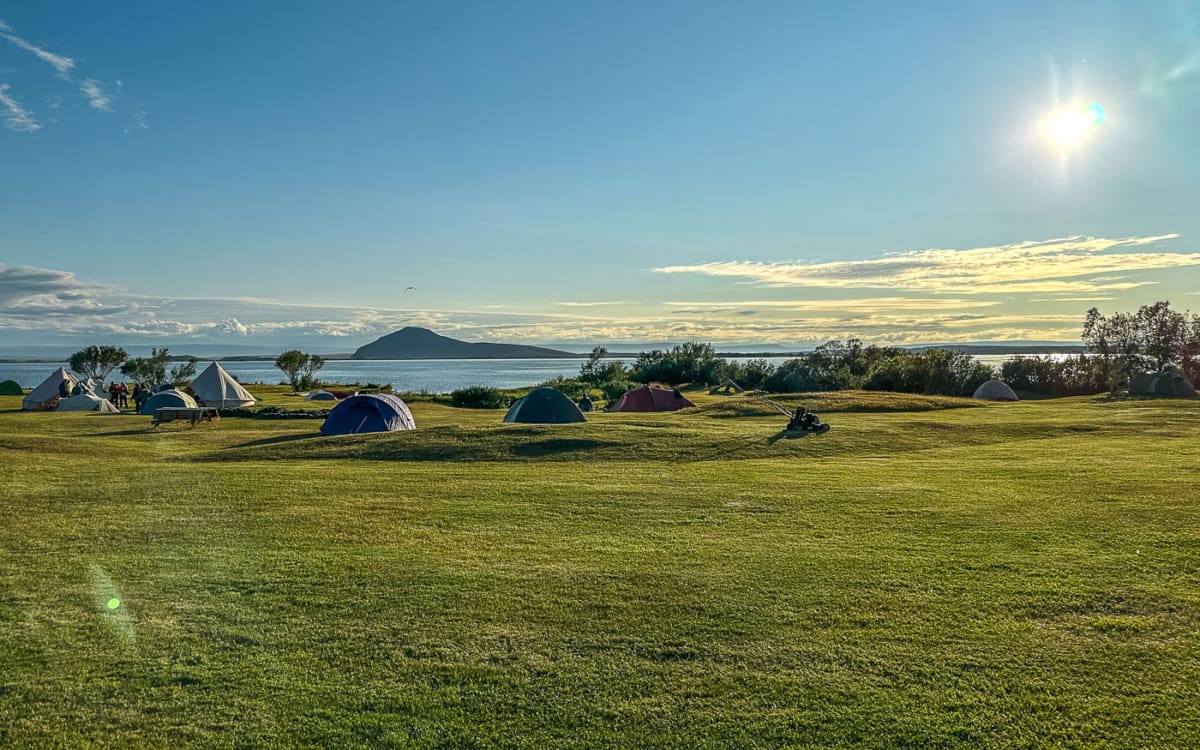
(97, 361)
(300, 368)
(148, 372)
(598, 369)
(182, 374)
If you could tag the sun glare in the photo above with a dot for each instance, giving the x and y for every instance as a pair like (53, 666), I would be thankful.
(1068, 129)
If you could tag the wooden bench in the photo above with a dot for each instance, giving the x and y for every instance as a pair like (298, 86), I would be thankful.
(193, 415)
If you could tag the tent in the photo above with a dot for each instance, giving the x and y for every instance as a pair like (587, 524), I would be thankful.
(215, 387)
(11, 388)
(995, 390)
(87, 402)
(320, 396)
(544, 406)
(170, 397)
(1162, 384)
(652, 399)
(369, 412)
(45, 396)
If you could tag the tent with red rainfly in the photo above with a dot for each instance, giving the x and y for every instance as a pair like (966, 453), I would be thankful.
(652, 399)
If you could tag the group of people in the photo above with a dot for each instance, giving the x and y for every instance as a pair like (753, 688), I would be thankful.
(118, 393)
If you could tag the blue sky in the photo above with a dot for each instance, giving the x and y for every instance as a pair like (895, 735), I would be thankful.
(270, 173)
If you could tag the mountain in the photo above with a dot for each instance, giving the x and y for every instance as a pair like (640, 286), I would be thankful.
(422, 343)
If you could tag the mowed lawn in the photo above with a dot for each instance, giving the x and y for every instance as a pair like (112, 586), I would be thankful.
(930, 573)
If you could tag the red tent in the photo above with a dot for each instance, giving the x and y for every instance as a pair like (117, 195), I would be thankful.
(652, 399)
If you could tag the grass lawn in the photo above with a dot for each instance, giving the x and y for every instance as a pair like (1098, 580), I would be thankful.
(930, 573)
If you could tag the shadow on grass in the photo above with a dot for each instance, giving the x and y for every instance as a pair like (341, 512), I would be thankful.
(277, 440)
(563, 445)
(124, 433)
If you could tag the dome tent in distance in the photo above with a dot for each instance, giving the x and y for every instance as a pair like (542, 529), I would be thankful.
(544, 406)
(11, 388)
(652, 399)
(1164, 384)
(995, 390)
(169, 397)
(369, 412)
(215, 387)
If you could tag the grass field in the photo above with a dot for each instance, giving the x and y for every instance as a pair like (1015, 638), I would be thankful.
(930, 573)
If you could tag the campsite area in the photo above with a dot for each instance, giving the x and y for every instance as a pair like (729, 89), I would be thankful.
(933, 572)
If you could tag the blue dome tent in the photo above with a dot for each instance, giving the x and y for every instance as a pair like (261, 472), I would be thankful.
(169, 397)
(368, 412)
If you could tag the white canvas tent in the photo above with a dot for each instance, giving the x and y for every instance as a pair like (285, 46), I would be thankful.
(215, 387)
(995, 390)
(45, 396)
(87, 402)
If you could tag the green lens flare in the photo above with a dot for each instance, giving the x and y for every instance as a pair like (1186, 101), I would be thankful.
(114, 603)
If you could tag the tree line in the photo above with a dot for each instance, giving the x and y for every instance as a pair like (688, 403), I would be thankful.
(98, 362)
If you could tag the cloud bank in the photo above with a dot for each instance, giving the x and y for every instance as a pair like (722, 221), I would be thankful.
(1069, 265)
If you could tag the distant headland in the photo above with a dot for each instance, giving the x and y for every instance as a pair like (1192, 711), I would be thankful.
(421, 343)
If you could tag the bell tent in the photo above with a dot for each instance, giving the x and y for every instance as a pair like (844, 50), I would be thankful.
(1164, 384)
(652, 399)
(169, 397)
(995, 390)
(87, 402)
(215, 387)
(45, 396)
(11, 388)
(544, 406)
(320, 396)
(368, 412)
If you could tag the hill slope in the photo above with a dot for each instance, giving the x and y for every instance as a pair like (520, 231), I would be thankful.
(422, 343)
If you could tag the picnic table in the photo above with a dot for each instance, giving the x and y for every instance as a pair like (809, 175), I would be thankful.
(193, 414)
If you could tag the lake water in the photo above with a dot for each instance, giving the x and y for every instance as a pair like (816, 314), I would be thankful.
(433, 375)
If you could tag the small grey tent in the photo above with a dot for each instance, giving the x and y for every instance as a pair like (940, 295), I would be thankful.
(320, 396)
(995, 390)
(1164, 384)
(45, 396)
(544, 406)
(215, 387)
(87, 402)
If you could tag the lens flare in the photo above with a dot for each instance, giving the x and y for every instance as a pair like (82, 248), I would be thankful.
(1096, 113)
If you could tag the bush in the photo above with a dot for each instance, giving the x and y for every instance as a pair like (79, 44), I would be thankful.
(614, 389)
(478, 397)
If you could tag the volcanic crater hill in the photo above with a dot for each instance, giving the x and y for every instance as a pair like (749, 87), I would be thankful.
(422, 343)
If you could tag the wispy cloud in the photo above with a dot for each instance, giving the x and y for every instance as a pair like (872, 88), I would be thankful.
(61, 63)
(18, 118)
(590, 304)
(854, 306)
(96, 96)
(1069, 265)
(99, 97)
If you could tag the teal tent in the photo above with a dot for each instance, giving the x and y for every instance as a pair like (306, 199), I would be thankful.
(1164, 384)
(544, 406)
(169, 397)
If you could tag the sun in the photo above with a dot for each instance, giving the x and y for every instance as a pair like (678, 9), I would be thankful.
(1068, 129)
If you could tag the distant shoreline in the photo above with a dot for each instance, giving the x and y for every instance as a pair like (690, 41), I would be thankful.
(982, 349)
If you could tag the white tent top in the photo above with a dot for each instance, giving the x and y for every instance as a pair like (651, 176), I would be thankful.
(87, 402)
(995, 390)
(47, 391)
(215, 387)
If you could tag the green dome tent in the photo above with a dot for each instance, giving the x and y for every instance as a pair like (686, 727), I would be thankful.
(1164, 384)
(544, 406)
(11, 388)
(169, 397)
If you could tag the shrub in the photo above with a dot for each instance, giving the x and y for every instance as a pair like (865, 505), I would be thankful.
(478, 397)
